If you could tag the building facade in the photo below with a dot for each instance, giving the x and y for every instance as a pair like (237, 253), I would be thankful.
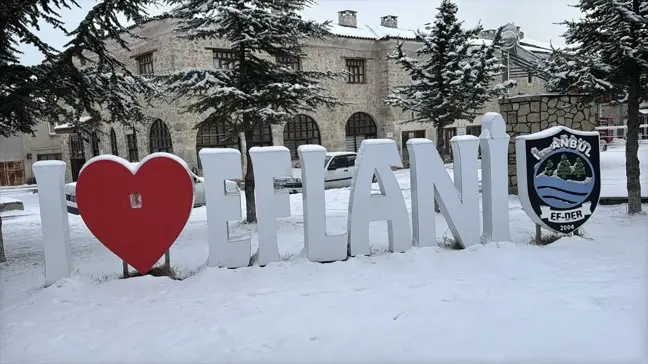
(361, 50)
(18, 153)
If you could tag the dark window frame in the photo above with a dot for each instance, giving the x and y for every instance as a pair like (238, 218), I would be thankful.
(48, 157)
(357, 70)
(301, 130)
(131, 145)
(160, 138)
(145, 64)
(215, 135)
(113, 142)
(360, 124)
(224, 59)
(291, 62)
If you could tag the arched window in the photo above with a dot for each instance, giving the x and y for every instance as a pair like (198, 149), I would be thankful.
(113, 142)
(215, 135)
(262, 136)
(131, 145)
(359, 127)
(77, 155)
(94, 144)
(160, 138)
(302, 129)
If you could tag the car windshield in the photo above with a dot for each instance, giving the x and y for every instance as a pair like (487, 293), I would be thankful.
(326, 160)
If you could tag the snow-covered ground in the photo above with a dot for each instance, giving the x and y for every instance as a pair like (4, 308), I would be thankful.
(613, 181)
(579, 299)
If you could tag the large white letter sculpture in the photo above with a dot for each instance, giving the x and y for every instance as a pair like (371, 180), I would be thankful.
(429, 181)
(494, 143)
(378, 156)
(50, 180)
(223, 206)
(270, 162)
(319, 246)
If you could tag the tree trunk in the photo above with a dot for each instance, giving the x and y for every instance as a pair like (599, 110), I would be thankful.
(3, 258)
(440, 141)
(250, 203)
(440, 146)
(632, 148)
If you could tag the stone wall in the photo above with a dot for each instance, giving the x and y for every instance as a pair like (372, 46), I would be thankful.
(527, 114)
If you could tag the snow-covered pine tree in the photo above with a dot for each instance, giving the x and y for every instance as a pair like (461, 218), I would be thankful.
(452, 77)
(82, 78)
(259, 88)
(607, 55)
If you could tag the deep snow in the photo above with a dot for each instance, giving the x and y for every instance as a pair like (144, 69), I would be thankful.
(579, 299)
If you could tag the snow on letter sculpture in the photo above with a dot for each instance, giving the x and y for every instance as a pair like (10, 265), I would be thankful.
(377, 155)
(138, 218)
(50, 178)
(319, 246)
(220, 165)
(269, 163)
(459, 203)
(131, 210)
(494, 143)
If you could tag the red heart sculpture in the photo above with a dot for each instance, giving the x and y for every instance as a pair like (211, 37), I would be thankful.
(137, 216)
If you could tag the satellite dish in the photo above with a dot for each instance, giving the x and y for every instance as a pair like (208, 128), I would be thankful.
(510, 36)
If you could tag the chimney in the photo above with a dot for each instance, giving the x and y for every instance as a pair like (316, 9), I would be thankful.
(347, 18)
(389, 21)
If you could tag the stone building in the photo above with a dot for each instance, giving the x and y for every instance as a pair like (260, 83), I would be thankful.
(18, 153)
(360, 49)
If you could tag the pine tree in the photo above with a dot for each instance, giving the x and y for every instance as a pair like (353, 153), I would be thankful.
(579, 171)
(452, 75)
(564, 167)
(80, 79)
(255, 92)
(607, 55)
(549, 168)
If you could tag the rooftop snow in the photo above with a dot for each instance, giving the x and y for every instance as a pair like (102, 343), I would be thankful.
(377, 32)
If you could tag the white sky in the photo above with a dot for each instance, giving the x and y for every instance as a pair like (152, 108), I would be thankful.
(536, 17)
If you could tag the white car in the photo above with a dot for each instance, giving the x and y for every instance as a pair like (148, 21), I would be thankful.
(198, 184)
(339, 170)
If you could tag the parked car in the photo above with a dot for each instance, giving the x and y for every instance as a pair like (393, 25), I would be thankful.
(339, 169)
(198, 185)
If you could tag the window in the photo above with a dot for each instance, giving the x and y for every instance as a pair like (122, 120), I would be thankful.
(50, 129)
(94, 144)
(342, 161)
(359, 127)
(474, 130)
(131, 144)
(300, 131)
(290, 62)
(145, 64)
(215, 135)
(113, 142)
(356, 70)
(262, 136)
(530, 78)
(49, 157)
(160, 138)
(407, 135)
(224, 59)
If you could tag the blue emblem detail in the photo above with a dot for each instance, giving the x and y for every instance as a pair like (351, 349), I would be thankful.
(564, 178)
